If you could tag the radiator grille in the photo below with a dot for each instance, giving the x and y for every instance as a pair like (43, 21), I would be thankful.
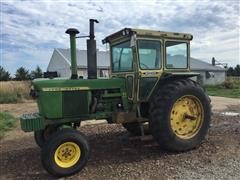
(75, 103)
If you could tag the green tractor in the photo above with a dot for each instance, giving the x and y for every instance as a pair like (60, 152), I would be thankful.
(149, 92)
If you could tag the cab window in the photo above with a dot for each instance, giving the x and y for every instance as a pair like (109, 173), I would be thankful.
(149, 53)
(122, 57)
(176, 55)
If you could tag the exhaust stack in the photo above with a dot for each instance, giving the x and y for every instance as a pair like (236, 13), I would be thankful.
(91, 51)
(72, 32)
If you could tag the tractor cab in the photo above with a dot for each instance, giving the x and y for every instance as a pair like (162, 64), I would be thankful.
(145, 56)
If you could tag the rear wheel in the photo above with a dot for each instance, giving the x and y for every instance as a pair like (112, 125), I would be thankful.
(135, 128)
(65, 153)
(180, 115)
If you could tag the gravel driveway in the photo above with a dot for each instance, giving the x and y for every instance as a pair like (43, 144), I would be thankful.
(220, 104)
(117, 155)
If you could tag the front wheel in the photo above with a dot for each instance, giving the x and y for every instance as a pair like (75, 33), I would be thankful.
(42, 135)
(65, 153)
(180, 115)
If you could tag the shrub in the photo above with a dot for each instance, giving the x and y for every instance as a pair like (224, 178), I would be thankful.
(228, 84)
(7, 121)
(14, 91)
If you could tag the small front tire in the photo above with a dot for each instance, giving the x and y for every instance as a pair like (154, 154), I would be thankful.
(42, 135)
(65, 153)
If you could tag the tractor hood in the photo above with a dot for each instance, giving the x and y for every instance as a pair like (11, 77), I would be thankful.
(64, 84)
(68, 98)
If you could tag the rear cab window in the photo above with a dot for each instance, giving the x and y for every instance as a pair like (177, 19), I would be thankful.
(176, 55)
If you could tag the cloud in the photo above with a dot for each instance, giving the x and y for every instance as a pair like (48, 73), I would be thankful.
(30, 30)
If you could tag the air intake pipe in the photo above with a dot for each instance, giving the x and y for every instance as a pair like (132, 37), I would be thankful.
(91, 51)
(72, 32)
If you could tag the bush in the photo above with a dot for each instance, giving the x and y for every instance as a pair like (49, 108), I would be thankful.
(228, 84)
(7, 122)
(14, 91)
(8, 98)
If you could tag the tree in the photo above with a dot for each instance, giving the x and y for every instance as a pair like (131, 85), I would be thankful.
(230, 71)
(237, 70)
(234, 71)
(37, 73)
(22, 74)
(4, 75)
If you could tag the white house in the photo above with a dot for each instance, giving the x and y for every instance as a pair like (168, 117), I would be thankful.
(209, 74)
(60, 62)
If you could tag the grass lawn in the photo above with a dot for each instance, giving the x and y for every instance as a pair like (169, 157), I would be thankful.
(7, 122)
(219, 90)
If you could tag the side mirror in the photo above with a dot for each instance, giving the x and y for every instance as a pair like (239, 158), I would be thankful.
(133, 41)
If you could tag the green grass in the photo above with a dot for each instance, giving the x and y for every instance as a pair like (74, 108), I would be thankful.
(7, 122)
(9, 98)
(219, 90)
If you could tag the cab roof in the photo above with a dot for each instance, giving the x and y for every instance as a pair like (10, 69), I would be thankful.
(127, 32)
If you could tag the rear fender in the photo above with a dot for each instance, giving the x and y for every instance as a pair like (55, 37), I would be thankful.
(168, 77)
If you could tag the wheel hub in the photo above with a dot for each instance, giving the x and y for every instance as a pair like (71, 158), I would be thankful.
(186, 116)
(67, 154)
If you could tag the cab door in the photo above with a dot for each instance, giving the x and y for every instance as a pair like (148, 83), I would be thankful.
(150, 66)
(122, 64)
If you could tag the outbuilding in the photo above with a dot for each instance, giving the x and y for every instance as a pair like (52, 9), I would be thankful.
(209, 74)
(60, 62)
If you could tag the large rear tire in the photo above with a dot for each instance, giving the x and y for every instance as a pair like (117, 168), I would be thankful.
(180, 115)
(65, 153)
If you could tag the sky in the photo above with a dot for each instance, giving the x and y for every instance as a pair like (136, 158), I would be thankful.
(30, 30)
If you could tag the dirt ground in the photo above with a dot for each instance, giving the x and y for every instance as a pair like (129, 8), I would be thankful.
(220, 104)
(116, 154)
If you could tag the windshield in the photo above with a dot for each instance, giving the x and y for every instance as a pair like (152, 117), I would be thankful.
(122, 58)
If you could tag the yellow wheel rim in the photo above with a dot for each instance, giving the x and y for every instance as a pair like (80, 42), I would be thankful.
(187, 116)
(67, 154)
